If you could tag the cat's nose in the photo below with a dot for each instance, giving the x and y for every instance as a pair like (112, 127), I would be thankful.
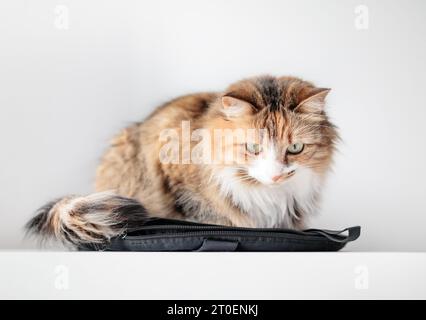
(276, 178)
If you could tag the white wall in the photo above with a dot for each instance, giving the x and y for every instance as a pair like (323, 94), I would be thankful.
(64, 93)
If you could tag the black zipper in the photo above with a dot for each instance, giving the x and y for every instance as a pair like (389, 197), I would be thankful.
(214, 227)
(230, 233)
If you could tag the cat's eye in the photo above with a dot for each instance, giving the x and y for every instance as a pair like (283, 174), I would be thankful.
(295, 148)
(254, 148)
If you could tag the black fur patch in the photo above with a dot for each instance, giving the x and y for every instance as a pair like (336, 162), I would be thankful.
(271, 92)
(131, 211)
(38, 223)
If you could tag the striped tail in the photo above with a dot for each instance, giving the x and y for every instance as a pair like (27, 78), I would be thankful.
(93, 219)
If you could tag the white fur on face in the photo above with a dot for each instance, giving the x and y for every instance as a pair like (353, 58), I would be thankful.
(268, 165)
(271, 206)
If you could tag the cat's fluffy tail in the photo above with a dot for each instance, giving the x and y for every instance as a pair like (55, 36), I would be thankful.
(93, 219)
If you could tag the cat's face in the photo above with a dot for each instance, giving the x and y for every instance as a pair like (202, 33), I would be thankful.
(293, 133)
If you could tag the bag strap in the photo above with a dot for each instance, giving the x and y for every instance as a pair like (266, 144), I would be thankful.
(353, 233)
(217, 245)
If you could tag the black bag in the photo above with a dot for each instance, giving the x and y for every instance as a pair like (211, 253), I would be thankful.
(176, 235)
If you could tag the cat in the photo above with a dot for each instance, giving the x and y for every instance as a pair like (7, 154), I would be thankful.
(277, 185)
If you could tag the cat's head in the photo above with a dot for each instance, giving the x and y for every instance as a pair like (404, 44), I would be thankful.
(294, 132)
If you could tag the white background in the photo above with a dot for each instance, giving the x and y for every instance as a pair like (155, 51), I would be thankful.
(65, 92)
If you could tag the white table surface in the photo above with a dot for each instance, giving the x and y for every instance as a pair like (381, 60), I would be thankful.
(134, 275)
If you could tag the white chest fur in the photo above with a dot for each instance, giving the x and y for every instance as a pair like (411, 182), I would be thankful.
(271, 206)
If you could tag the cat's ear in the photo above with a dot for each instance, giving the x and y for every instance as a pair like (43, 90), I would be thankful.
(313, 101)
(234, 107)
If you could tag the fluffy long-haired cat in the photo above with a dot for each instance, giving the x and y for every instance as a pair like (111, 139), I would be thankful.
(276, 185)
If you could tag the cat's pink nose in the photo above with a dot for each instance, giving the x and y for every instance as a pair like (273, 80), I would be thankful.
(276, 178)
